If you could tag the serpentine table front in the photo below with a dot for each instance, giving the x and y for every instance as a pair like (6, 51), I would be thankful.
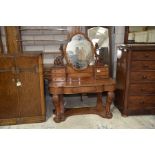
(57, 89)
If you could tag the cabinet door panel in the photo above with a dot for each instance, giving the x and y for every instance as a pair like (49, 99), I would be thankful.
(8, 89)
(29, 91)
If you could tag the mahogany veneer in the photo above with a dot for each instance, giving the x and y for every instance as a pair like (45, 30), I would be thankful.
(135, 89)
(66, 80)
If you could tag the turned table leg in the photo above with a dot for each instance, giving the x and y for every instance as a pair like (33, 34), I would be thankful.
(110, 96)
(56, 103)
(99, 104)
(61, 101)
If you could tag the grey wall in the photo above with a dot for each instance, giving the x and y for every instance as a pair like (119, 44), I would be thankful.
(118, 36)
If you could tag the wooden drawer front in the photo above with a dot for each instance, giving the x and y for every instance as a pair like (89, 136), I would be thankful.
(142, 65)
(141, 89)
(101, 72)
(58, 71)
(141, 102)
(58, 75)
(102, 77)
(57, 79)
(71, 70)
(83, 90)
(80, 75)
(142, 77)
(145, 55)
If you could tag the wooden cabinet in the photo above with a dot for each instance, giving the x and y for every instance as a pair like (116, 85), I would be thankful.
(135, 93)
(21, 89)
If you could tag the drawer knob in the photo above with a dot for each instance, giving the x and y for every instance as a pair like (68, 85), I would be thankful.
(145, 66)
(144, 77)
(147, 55)
(18, 83)
(98, 70)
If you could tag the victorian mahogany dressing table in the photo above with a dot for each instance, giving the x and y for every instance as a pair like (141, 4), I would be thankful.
(80, 75)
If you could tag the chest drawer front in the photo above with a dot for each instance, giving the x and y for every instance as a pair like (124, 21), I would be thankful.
(141, 102)
(144, 55)
(137, 77)
(142, 65)
(141, 89)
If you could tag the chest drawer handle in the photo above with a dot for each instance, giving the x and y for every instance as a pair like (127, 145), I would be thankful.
(147, 55)
(141, 102)
(145, 66)
(144, 77)
(142, 89)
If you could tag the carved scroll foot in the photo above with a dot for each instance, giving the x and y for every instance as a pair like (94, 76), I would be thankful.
(108, 104)
(57, 119)
(109, 115)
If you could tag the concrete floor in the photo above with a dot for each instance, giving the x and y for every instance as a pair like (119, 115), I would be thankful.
(89, 121)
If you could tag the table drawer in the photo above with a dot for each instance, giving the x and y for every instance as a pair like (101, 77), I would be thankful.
(57, 79)
(58, 71)
(142, 65)
(71, 70)
(142, 77)
(101, 72)
(141, 89)
(143, 55)
(83, 89)
(141, 102)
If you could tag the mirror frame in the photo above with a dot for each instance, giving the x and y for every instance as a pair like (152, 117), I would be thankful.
(65, 52)
(110, 44)
(126, 34)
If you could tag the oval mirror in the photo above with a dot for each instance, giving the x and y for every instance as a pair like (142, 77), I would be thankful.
(80, 52)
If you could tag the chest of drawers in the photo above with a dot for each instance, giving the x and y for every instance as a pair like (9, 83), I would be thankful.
(135, 93)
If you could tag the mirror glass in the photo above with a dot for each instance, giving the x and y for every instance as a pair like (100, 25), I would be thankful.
(100, 36)
(141, 34)
(80, 52)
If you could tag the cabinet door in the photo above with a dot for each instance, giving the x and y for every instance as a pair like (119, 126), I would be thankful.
(8, 90)
(30, 91)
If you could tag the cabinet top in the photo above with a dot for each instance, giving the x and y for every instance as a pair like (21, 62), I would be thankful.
(138, 47)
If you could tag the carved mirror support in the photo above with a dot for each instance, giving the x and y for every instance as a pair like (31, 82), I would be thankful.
(101, 36)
